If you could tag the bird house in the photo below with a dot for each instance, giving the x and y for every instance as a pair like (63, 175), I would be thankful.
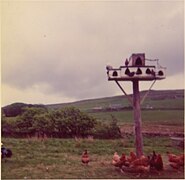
(136, 68)
(137, 59)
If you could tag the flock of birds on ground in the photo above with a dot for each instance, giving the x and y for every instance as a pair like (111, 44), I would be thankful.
(131, 163)
(143, 164)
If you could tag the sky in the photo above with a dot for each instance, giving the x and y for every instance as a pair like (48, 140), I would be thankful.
(56, 51)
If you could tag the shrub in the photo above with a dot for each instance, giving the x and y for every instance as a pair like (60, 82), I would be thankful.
(65, 123)
(72, 122)
(107, 131)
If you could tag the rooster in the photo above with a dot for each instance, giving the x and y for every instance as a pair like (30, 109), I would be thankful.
(156, 162)
(85, 158)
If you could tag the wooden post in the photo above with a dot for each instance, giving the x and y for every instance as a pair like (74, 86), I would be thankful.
(137, 119)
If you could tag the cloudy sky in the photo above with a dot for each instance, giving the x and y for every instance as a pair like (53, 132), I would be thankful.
(56, 51)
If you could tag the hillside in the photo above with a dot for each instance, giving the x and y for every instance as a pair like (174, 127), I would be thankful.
(165, 99)
(156, 99)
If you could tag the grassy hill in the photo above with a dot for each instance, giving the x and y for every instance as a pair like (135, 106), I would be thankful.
(165, 99)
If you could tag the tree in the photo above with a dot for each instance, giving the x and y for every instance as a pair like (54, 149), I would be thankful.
(71, 122)
(107, 131)
(16, 109)
(25, 124)
(8, 126)
(13, 109)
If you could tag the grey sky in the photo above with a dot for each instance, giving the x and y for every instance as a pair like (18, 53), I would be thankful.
(57, 51)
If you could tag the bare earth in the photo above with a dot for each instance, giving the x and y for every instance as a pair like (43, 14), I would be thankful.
(155, 129)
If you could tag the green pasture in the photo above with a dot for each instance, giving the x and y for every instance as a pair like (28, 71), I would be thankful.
(156, 99)
(107, 102)
(61, 158)
(162, 117)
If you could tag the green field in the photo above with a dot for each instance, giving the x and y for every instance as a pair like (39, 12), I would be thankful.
(167, 99)
(61, 158)
(162, 117)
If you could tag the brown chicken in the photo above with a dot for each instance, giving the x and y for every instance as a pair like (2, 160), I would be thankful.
(175, 166)
(142, 161)
(85, 158)
(119, 162)
(176, 161)
(115, 158)
(136, 169)
(132, 157)
(139, 165)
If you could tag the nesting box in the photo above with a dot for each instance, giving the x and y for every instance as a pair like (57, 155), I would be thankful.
(136, 68)
(137, 59)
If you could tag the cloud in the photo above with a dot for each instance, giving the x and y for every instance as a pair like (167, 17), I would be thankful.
(31, 95)
(63, 47)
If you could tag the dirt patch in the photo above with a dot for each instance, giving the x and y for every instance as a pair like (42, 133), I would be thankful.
(163, 130)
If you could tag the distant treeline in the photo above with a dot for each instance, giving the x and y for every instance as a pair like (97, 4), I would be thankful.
(16, 109)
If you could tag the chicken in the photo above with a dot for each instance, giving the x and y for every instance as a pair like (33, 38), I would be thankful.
(132, 157)
(85, 157)
(131, 74)
(156, 162)
(115, 158)
(118, 161)
(175, 160)
(5, 152)
(175, 166)
(137, 165)
(142, 161)
(126, 62)
(108, 67)
(159, 163)
(136, 169)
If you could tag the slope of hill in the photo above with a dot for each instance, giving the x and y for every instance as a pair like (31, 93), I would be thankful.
(161, 99)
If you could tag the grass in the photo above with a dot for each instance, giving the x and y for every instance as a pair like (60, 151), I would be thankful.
(157, 99)
(61, 158)
(162, 117)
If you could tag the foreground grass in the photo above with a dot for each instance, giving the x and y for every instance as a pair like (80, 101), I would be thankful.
(61, 158)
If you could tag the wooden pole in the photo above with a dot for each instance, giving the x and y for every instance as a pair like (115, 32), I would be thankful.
(137, 119)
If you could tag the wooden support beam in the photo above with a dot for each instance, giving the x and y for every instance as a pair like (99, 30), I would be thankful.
(128, 97)
(146, 94)
(137, 119)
